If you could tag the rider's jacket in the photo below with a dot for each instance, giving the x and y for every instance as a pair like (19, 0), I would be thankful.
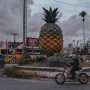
(75, 63)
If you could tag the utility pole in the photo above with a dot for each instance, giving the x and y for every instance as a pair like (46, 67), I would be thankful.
(24, 23)
(77, 49)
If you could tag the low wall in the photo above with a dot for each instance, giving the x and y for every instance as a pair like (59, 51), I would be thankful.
(42, 72)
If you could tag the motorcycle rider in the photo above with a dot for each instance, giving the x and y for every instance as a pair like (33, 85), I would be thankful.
(75, 66)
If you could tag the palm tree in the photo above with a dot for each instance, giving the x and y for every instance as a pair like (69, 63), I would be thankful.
(83, 14)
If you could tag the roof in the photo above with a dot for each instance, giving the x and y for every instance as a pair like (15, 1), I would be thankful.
(21, 46)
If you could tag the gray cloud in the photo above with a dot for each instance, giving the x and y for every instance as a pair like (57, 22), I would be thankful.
(72, 28)
(73, 25)
(35, 22)
(11, 16)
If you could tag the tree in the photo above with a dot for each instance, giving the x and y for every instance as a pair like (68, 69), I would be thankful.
(85, 49)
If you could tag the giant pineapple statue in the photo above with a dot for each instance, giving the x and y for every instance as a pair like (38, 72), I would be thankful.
(51, 38)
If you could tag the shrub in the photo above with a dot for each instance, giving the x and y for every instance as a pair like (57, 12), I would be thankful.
(58, 60)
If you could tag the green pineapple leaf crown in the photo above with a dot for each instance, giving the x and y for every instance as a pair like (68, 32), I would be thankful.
(50, 16)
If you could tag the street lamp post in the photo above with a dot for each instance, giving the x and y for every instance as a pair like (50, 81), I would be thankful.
(7, 46)
(15, 34)
(24, 23)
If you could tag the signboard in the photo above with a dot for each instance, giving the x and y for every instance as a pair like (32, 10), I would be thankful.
(32, 41)
(0, 43)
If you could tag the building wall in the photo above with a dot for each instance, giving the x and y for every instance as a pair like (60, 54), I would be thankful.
(3, 45)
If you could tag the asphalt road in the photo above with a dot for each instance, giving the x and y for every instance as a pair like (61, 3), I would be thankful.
(19, 84)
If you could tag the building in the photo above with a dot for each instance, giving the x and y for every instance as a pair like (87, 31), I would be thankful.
(88, 46)
(70, 45)
(81, 45)
(7, 47)
(3, 45)
(32, 45)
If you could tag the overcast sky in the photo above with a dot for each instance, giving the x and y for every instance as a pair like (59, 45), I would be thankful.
(71, 23)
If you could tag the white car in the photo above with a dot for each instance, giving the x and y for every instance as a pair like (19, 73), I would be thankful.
(86, 70)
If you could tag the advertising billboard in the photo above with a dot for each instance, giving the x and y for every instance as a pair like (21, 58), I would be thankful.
(32, 41)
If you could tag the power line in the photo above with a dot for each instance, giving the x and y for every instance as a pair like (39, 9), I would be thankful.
(71, 4)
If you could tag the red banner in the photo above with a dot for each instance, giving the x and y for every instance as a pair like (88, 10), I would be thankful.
(32, 41)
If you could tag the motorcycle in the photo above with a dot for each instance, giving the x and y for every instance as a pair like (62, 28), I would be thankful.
(65, 74)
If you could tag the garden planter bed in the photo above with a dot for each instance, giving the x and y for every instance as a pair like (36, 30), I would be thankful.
(30, 72)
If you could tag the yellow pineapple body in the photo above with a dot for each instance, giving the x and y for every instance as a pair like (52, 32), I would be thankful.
(51, 39)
